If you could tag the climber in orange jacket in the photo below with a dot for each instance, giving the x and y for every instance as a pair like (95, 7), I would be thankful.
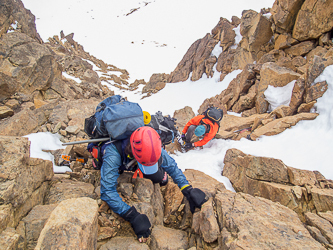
(200, 126)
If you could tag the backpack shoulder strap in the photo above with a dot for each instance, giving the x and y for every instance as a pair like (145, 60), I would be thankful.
(118, 145)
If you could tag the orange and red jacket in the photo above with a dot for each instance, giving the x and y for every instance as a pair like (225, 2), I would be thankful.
(198, 120)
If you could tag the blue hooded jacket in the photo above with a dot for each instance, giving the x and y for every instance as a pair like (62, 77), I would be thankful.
(109, 174)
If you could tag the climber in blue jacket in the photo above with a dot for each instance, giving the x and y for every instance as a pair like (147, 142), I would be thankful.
(145, 146)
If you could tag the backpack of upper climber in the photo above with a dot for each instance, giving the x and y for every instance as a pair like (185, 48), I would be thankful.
(115, 118)
(165, 127)
(214, 114)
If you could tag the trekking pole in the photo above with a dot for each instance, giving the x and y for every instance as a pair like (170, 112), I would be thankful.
(87, 141)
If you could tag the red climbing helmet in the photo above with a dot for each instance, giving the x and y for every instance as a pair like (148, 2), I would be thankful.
(146, 148)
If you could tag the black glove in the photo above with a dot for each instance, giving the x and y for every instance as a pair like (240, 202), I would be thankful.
(195, 197)
(188, 145)
(140, 222)
(183, 137)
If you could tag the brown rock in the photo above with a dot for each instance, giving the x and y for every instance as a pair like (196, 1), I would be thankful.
(144, 189)
(242, 57)
(299, 177)
(224, 32)
(298, 61)
(256, 30)
(257, 168)
(255, 223)
(274, 75)
(206, 183)
(231, 123)
(5, 112)
(156, 83)
(34, 223)
(323, 225)
(124, 243)
(105, 233)
(68, 189)
(284, 41)
(315, 67)
(225, 61)
(317, 235)
(316, 91)
(297, 95)
(281, 111)
(327, 216)
(313, 19)
(9, 239)
(245, 102)
(23, 178)
(300, 49)
(160, 238)
(317, 51)
(284, 14)
(173, 197)
(279, 125)
(306, 107)
(74, 228)
(205, 223)
(322, 199)
(194, 60)
(182, 116)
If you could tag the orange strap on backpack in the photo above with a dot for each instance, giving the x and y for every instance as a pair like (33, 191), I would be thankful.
(136, 173)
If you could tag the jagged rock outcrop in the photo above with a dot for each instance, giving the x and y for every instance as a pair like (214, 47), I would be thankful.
(194, 60)
(300, 190)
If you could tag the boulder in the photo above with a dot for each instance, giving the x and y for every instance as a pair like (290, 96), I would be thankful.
(182, 116)
(300, 49)
(224, 32)
(284, 41)
(313, 19)
(73, 228)
(249, 222)
(256, 31)
(156, 83)
(232, 123)
(284, 14)
(279, 125)
(322, 199)
(124, 243)
(68, 189)
(160, 238)
(34, 222)
(272, 179)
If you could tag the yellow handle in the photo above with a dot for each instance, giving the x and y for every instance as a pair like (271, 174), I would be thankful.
(146, 117)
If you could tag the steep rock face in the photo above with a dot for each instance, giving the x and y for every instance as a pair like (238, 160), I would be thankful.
(23, 179)
(194, 60)
(74, 228)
